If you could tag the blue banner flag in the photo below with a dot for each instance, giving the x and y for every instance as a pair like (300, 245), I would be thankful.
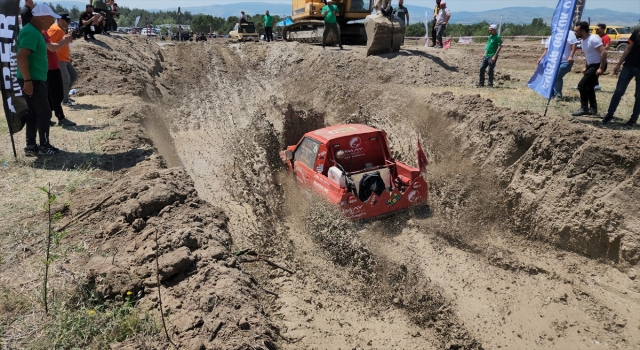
(563, 20)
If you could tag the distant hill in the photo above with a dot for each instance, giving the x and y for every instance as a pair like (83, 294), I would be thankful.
(518, 15)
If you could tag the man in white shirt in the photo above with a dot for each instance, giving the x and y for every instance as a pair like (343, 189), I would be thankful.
(442, 19)
(565, 65)
(595, 61)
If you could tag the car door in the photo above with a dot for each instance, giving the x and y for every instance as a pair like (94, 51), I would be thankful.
(304, 159)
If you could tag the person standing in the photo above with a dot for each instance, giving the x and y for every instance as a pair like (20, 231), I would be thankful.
(436, 10)
(55, 86)
(57, 33)
(595, 59)
(329, 12)
(601, 30)
(25, 14)
(32, 78)
(565, 65)
(443, 17)
(491, 52)
(402, 12)
(268, 26)
(631, 69)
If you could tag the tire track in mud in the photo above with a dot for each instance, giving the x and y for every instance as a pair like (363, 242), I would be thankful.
(499, 284)
(317, 307)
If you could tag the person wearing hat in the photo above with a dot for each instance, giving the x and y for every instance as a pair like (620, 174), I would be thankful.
(329, 12)
(442, 19)
(68, 75)
(32, 78)
(491, 51)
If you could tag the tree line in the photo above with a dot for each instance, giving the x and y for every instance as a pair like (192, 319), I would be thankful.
(537, 27)
(198, 23)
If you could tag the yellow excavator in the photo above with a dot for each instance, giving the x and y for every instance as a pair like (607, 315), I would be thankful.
(381, 32)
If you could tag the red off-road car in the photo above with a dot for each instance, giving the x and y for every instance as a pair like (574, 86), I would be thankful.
(351, 165)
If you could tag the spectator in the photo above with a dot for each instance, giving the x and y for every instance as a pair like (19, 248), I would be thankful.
(243, 18)
(402, 13)
(100, 6)
(114, 15)
(68, 72)
(491, 51)
(25, 14)
(32, 77)
(441, 22)
(329, 12)
(54, 77)
(268, 26)
(89, 22)
(436, 10)
(601, 30)
(631, 69)
(109, 17)
(565, 65)
(595, 58)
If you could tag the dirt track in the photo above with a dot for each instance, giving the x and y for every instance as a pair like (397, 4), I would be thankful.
(532, 240)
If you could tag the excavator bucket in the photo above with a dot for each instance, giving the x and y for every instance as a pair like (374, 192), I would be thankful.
(384, 34)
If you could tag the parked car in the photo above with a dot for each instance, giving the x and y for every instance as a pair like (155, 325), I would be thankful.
(619, 36)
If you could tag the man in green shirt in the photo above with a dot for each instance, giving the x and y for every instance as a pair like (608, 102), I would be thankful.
(330, 11)
(32, 77)
(268, 27)
(491, 51)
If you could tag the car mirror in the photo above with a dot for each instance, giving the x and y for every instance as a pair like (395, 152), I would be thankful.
(288, 154)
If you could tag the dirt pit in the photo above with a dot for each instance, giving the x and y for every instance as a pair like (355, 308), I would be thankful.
(531, 239)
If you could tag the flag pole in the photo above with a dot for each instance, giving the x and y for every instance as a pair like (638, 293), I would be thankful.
(13, 143)
(546, 108)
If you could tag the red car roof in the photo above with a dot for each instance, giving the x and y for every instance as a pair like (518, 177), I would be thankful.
(327, 134)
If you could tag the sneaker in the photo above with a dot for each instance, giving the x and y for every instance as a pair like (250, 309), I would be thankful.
(490, 85)
(70, 103)
(66, 122)
(47, 150)
(72, 100)
(479, 84)
(593, 111)
(607, 118)
(31, 151)
(631, 122)
(557, 98)
(580, 112)
(597, 88)
(438, 46)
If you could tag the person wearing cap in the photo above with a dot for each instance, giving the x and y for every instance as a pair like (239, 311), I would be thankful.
(491, 51)
(442, 19)
(32, 78)
(329, 12)
(436, 10)
(268, 26)
(68, 73)
(243, 18)
(25, 13)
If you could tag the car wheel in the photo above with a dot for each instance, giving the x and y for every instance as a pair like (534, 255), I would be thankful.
(622, 47)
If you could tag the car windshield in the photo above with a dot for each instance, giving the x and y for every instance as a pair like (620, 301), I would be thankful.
(624, 30)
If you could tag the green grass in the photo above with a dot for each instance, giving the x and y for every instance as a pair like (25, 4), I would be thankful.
(94, 326)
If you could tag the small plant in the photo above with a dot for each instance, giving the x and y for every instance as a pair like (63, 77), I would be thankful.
(51, 198)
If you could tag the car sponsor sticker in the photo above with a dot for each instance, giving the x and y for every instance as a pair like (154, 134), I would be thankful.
(413, 196)
(355, 142)
(322, 154)
(394, 199)
(353, 199)
(320, 168)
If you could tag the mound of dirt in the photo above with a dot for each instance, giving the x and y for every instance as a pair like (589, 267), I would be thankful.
(566, 182)
(208, 300)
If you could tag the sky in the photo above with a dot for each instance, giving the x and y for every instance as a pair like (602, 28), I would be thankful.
(454, 5)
